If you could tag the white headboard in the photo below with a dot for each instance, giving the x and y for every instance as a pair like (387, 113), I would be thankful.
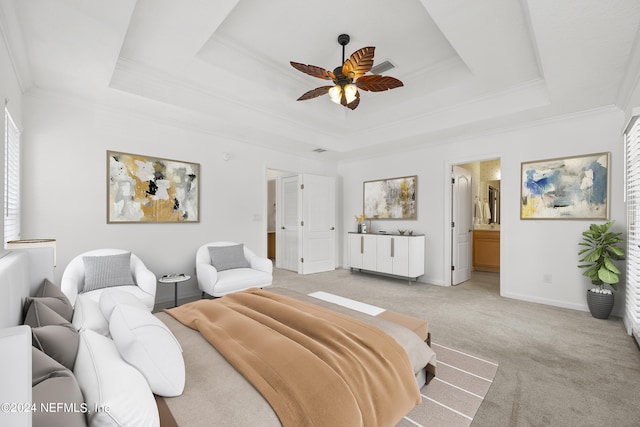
(21, 273)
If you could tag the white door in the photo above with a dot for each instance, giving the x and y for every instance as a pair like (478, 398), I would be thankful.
(461, 226)
(318, 225)
(287, 222)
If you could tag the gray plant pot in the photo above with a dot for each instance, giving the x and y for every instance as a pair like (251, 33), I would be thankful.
(600, 305)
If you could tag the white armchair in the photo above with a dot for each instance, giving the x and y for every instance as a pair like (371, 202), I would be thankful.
(73, 278)
(237, 274)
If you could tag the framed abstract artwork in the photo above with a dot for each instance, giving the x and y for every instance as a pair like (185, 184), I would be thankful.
(143, 189)
(566, 188)
(393, 198)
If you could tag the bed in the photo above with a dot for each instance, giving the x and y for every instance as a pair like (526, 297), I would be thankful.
(210, 390)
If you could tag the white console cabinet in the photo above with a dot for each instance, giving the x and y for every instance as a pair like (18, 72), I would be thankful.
(386, 253)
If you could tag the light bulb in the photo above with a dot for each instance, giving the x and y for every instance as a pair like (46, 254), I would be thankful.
(335, 93)
(350, 92)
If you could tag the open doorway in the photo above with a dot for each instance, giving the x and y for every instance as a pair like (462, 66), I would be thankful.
(301, 221)
(272, 212)
(478, 208)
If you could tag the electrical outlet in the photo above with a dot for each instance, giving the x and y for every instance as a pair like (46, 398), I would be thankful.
(547, 278)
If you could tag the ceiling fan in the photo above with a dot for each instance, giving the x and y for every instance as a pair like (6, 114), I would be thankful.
(348, 78)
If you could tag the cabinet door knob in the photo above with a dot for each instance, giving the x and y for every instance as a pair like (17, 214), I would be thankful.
(283, 227)
(332, 228)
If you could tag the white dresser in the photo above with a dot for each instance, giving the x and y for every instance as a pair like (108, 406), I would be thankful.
(388, 253)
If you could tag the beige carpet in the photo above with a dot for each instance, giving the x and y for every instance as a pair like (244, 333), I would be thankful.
(452, 398)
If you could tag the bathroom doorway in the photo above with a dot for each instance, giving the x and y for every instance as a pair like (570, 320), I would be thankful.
(484, 217)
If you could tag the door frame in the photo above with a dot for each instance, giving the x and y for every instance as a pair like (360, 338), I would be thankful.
(448, 214)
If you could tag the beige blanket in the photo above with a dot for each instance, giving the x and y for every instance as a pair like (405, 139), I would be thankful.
(313, 366)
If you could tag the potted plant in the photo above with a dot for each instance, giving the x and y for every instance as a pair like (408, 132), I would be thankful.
(601, 249)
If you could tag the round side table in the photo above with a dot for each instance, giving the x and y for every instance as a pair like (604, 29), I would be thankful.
(175, 279)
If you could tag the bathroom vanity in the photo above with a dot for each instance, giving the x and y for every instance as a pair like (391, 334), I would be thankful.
(486, 248)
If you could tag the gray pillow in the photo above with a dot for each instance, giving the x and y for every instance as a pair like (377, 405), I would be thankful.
(106, 271)
(44, 367)
(228, 257)
(52, 334)
(54, 384)
(52, 297)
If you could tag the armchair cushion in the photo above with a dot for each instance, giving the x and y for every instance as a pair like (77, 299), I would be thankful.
(228, 257)
(106, 271)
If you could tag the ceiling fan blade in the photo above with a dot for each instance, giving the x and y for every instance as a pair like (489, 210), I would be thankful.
(313, 71)
(314, 93)
(359, 63)
(378, 83)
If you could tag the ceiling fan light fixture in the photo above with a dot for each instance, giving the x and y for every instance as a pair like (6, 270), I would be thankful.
(335, 93)
(350, 92)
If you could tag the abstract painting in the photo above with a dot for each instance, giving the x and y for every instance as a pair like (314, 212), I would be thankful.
(393, 198)
(151, 190)
(566, 188)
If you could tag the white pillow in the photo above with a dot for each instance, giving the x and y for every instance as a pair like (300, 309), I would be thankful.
(110, 298)
(116, 393)
(146, 343)
(87, 315)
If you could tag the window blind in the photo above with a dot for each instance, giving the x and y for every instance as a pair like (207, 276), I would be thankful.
(11, 179)
(632, 193)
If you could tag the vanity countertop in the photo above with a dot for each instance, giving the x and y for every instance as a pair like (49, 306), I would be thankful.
(389, 234)
(487, 227)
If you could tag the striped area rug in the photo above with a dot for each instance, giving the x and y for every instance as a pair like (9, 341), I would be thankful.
(452, 398)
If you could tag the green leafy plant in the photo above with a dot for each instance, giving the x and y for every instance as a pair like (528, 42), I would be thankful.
(601, 250)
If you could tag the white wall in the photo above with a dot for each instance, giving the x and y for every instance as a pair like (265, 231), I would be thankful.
(64, 184)
(529, 248)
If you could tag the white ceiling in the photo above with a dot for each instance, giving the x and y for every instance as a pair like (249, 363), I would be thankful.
(223, 66)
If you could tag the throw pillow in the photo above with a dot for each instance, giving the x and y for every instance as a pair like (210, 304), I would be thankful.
(54, 298)
(52, 333)
(107, 381)
(55, 387)
(87, 315)
(228, 257)
(44, 367)
(111, 298)
(106, 271)
(147, 344)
